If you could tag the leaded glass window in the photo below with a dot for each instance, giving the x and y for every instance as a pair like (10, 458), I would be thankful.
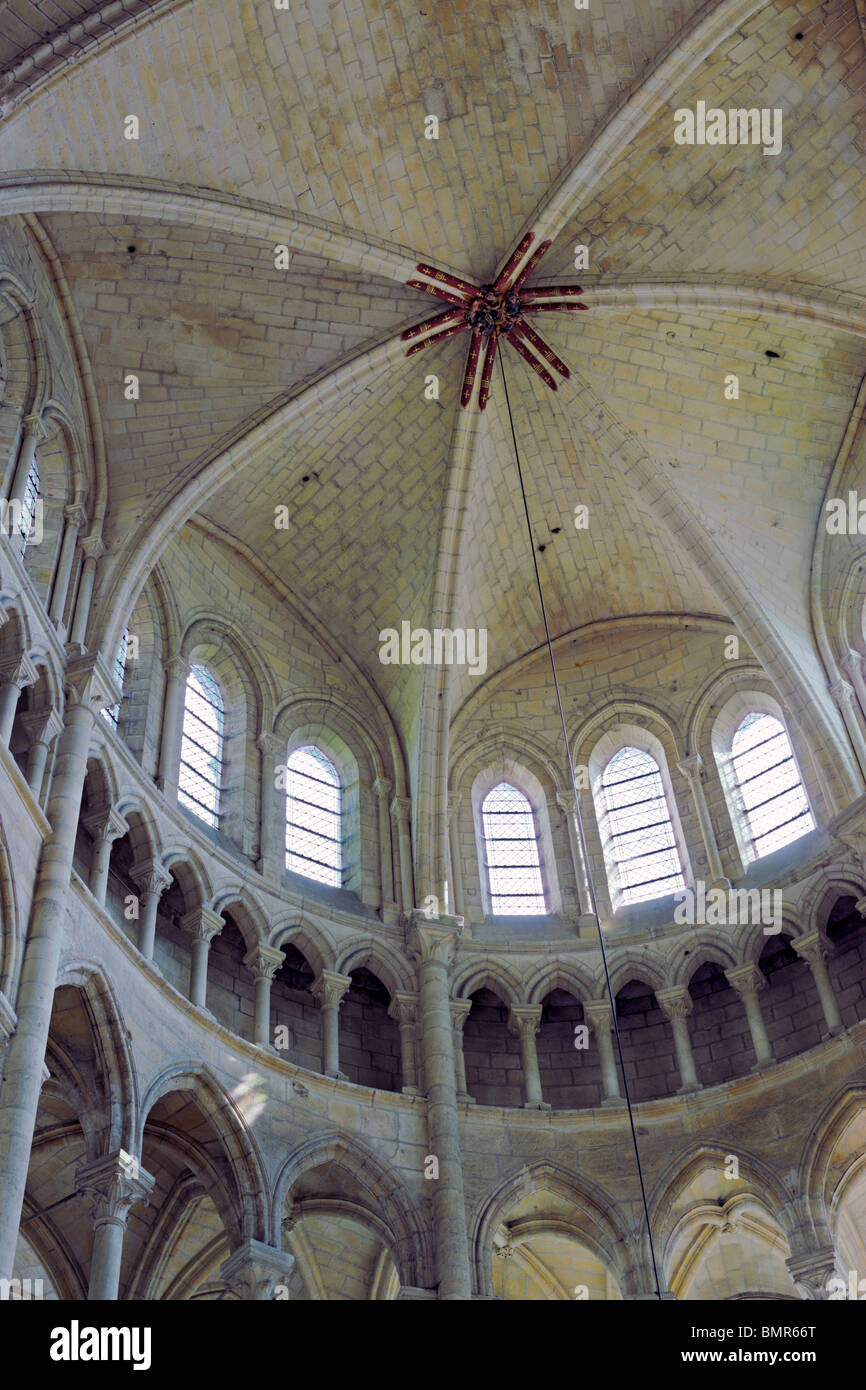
(638, 835)
(511, 853)
(313, 817)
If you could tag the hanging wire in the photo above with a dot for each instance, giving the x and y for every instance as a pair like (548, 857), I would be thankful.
(581, 835)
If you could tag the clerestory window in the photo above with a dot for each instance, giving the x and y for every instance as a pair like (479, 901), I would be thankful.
(27, 515)
(201, 749)
(769, 799)
(119, 671)
(640, 846)
(511, 855)
(314, 846)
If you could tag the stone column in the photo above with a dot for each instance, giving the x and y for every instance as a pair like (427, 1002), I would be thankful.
(110, 1186)
(263, 962)
(845, 699)
(152, 880)
(92, 548)
(329, 990)
(254, 1270)
(272, 825)
(456, 856)
(748, 980)
(90, 688)
(176, 673)
(676, 1003)
(42, 727)
(203, 924)
(597, 1015)
(15, 673)
(403, 1008)
(567, 803)
(75, 518)
(34, 431)
(852, 665)
(460, 1011)
(105, 826)
(813, 948)
(400, 810)
(692, 768)
(390, 909)
(525, 1020)
(812, 1270)
(433, 944)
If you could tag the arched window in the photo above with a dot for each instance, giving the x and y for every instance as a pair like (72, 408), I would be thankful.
(511, 855)
(638, 837)
(768, 794)
(118, 671)
(201, 750)
(27, 515)
(314, 833)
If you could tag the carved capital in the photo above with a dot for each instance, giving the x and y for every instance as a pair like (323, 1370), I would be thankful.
(150, 877)
(176, 669)
(18, 671)
(812, 947)
(813, 1270)
(263, 962)
(271, 745)
(112, 1185)
(42, 725)
(90, 683)
(330, 988)
(433, 939)
(106, 824)
(93, 547)
(403, 1008)
(75, 516)
(203, 924)
(34, 425)
(460, 1011)
(383, 789)
(842, 692)
(401, 808)
(524, 1020)
(676, 1003)
(598, 1015)
(747, 980)
(254, 1270)
(691, 767)
(567, 802)
(852, 663)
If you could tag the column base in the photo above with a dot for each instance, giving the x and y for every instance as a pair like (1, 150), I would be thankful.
(390, 914)
(465, 1098)
(536, 1105)
(687, 1091)
(409, 1091)
(613, 1102)
(337, 1075)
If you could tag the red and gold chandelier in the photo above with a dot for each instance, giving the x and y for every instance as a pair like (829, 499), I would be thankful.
(491, 312)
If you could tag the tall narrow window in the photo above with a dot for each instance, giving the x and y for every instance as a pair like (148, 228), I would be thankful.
(201, 749)
(118, 671)
(638, 836)
(511, 854)
(27, 514)
(313, 821)
(768, 794)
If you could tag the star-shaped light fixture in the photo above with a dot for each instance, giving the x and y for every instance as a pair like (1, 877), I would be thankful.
(491, 312)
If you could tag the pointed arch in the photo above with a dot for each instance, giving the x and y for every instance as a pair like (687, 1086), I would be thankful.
(389, 1198)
